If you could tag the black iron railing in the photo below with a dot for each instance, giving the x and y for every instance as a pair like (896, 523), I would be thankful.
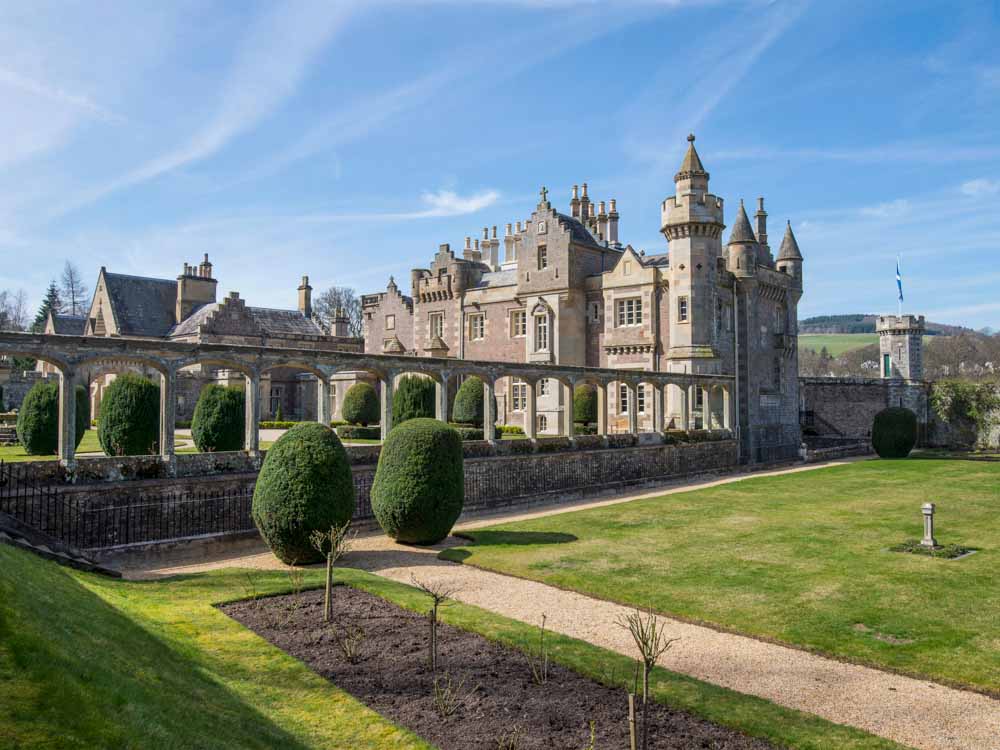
(37, 505)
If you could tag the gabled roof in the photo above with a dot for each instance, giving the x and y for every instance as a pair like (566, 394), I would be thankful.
(507, 277)
(264, 321)
(789, 247)
(142, 306)
(742, 231)
(72, 325)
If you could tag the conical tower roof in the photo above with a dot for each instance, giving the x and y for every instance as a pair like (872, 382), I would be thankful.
(692, 163)
(789, 247)
(742, 231)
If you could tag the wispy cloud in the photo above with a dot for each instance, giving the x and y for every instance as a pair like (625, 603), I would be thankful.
(930, 153)
(269, 66)
(439, 204)
(55, 94)
(888, 210)
(982, 186)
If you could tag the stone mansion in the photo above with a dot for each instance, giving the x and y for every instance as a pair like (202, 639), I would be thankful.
(562, 288)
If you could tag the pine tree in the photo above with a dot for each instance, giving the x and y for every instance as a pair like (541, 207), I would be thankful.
(51, 302)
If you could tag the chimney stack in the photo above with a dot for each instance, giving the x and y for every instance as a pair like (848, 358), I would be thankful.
(761, 217)
(305, 298)
(574, 203)
(613, 223)
(602, 221)
(341, 325)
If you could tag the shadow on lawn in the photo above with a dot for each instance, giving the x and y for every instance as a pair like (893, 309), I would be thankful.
(516, 538)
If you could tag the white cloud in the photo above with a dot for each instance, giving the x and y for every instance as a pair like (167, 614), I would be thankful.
(442, 203)
(980, 187)
(269, 66)
(56, 94)
(889, 210)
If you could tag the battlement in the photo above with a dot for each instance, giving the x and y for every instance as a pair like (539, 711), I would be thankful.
(887, 325)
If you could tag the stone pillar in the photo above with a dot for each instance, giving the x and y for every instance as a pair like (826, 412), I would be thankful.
(633, 409)
(67, 418)
(489, 413)
(602, 409)
(441, 398)
(251, 443)
(684, 395)
(323, 400)
(530, 412)
(168, 416)
(658, 400)
(385, 402)
(727, 417)
(928, 510)
(706, 409)
(568, 409)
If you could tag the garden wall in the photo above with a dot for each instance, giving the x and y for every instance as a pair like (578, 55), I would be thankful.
(116, 513)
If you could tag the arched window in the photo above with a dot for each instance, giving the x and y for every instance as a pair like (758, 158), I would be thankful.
(543, 423)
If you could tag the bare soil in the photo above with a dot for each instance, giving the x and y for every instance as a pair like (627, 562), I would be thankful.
(496, 692)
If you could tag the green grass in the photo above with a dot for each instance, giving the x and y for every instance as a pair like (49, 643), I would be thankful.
(90, 662)
(836, 343)
(800, 558)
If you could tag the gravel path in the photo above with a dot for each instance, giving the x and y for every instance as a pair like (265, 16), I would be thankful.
(914, 712)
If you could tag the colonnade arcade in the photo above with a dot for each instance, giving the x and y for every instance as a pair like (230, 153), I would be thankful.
(674, 395)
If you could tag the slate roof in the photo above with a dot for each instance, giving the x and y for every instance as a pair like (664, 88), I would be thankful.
(578, 232)
(506, 277)
(72, 325)
(265, 321)
(142, 306)
(660, 260)
(742, 231)
(789, 247)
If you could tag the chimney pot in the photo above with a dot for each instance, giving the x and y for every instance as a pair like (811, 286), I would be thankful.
(468, 243)
(494, 231)
(508, 229)
(576, 191)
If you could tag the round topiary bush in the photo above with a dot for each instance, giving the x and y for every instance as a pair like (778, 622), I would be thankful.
(361, 405)
(894, 432)
(219, 422)
(38, 419)
(468, 406)
(129, 423)
(305, 485)
(419, 485)
(413, 398)
(585, 404)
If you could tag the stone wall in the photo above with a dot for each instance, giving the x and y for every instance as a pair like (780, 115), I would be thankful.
(152, 509)
(846, 407)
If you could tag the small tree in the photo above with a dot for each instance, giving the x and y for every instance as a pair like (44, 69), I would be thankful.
(74, 291)
(412, 399)
(652, 642)
(129, 424)
(585, 404)
(439, 593)
(38, 418)
(219, 421)
(52, 302)
(361, 405)
(333, 545)
(469, 403)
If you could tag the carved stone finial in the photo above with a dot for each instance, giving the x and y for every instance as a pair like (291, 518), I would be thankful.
(544, 193)
(690, 137)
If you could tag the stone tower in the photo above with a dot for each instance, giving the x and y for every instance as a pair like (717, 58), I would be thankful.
(692, 223)
(900, 340)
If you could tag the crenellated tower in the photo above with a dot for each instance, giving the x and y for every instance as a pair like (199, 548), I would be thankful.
(692, 223)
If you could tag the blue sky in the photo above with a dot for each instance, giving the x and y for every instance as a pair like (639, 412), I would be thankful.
(347, 140)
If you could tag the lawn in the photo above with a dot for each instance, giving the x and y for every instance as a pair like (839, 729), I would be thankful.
(800, 558)
(89, 444)
(836, 343)
(92, 662)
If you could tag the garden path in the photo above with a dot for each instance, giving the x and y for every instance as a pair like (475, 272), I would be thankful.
(914, 712)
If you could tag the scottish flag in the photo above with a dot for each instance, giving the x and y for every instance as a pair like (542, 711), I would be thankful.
(899, 280)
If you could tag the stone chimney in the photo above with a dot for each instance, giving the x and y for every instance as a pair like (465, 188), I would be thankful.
(613, 223)
(341, 324)
(585, 205)
(195, 288)
(305, 298)
(761, 221)
(574, 203)
(602, 221)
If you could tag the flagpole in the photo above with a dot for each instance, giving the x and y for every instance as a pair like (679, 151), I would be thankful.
(899, 285)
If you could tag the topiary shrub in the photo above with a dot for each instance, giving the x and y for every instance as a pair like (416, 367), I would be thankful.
(894, 432)
(361, 405)
(129, 423)
(468, 408)
(304, 485)
(38, 419)
(585, 404)
(356, 432)
(413, 398)
(419, 485)
(219, 422)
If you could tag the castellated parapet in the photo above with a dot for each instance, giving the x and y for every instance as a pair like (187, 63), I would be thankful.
(901, 346)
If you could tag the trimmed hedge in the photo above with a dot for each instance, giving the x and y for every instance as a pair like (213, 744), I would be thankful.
(356, 432)
(38, 419)
(585, 404)
(468, 407)
(472, 433)
(304, 485)
(277, 424)
(413, 398)
(894, 432)
(419, 486)
(219, 422)
(361, 405)
(129, 424)
(511, 429)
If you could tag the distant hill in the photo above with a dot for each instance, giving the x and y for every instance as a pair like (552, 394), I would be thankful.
(865, 323)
